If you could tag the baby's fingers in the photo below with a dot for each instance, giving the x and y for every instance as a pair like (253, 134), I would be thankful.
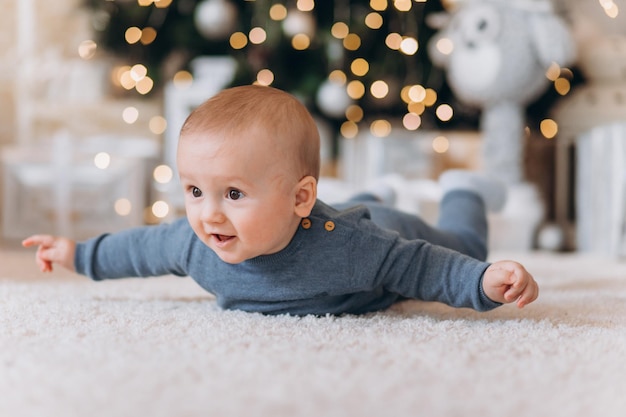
(44, 265)
(45, 251)
(41, 240)
(524, 290)
(530, 294)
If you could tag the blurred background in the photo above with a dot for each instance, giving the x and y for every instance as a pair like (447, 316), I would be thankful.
(93, 93)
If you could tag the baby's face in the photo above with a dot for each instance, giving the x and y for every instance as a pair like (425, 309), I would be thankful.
(239, 195)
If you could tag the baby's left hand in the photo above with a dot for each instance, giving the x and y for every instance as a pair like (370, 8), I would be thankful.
(508, 281)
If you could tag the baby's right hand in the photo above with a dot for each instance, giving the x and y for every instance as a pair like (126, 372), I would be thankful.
(508, 281)
(52, 250)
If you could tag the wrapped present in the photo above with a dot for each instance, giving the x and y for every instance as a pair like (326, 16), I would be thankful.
(74, 189)
(600, 192)
(413, 155)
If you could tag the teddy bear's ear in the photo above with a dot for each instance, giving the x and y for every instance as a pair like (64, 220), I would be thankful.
(438, 57)
(439, 21)
(552, 39)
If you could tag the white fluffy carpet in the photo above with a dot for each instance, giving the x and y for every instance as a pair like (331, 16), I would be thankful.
(160, 347)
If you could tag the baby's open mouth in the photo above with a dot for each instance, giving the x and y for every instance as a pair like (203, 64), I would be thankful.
(222, 238)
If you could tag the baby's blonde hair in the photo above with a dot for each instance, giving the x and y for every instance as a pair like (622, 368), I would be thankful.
(242, 110)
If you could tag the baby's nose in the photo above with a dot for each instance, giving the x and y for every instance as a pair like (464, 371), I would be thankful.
(212, 212)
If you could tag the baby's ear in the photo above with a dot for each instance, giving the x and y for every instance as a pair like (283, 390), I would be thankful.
(306, 195)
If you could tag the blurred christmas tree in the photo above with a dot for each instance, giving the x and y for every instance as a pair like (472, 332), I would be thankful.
(351, 61)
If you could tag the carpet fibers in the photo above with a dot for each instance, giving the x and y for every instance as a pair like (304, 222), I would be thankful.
(160, 347)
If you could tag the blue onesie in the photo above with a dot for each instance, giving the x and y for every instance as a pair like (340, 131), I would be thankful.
(354, 258)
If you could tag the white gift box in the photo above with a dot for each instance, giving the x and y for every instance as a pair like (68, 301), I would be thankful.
(366, 157)
(59, 189)
(600, 192)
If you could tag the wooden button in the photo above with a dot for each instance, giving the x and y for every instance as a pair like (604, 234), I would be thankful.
(329, 225)
(306, 223)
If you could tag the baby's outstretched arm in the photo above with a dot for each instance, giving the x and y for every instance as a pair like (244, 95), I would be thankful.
(508, 281)
(52, 250)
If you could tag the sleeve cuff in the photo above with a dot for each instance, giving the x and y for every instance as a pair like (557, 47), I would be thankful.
(486, 302)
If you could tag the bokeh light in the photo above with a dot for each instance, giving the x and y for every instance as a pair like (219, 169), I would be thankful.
(300, 42)
(352, 42)
(411, 121)
(157, 125)
(349, 129)
(549, 128)
(278, 12)
(130, 114)
(374, 20)
(409, 46)
(379, 89)
(339, 30)
(431, 97)
(102, 160)
(441, 144)
(338, 76)
(354, 113)
(305, 5)
(380, 128)
(182, 80)
(445, 46)
(148, 35)
(163, 174)
(360, 67)
(378, 5)
(160, 209)
(444, 112)
(265, 77)
(123, 207)
(87, 49)
(355, 89)
(402, 5)
(257, 35)
(132, 35)
(562, 86)
(393, 41)
(238, 40)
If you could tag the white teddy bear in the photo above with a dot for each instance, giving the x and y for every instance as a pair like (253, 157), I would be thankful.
(496, 54)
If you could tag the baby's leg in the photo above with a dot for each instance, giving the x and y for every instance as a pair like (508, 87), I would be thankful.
(462, 213)
(462, 224)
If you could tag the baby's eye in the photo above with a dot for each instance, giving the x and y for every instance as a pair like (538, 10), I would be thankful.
(196, 192)
(235, 194)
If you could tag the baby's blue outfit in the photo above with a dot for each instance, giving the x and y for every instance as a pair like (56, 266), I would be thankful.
(356, 258)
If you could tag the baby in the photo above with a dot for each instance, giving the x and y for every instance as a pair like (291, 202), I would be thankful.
(256, 236)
